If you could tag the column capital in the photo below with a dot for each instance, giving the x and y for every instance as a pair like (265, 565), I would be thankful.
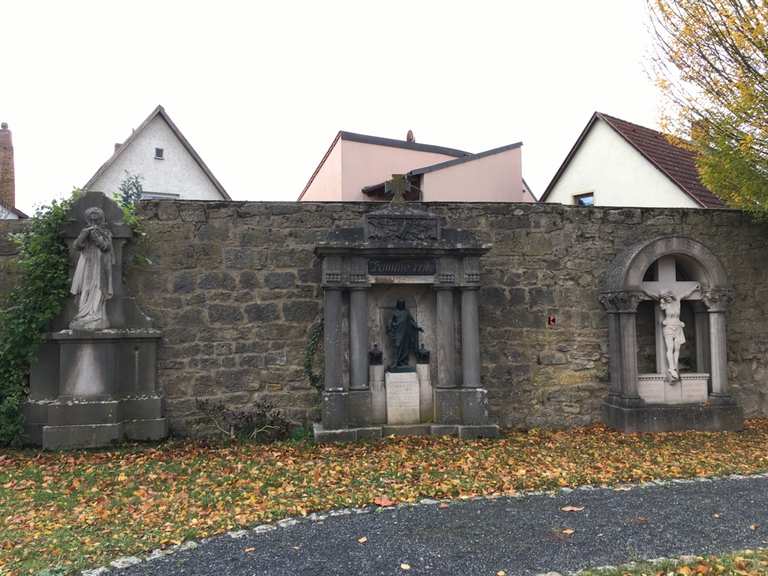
(718, 300)
(622, 302)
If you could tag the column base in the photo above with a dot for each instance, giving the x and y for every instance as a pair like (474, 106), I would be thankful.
(334, 409)
(461, 406)
(706, 416)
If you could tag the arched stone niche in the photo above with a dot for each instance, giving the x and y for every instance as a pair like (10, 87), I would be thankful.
(673, 278)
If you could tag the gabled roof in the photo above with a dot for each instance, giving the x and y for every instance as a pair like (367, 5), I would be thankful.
(466, 158)
(676, 163)
(376, 140)
(160, 111)
(13, 210)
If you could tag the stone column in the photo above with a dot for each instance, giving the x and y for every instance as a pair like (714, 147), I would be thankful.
(358, 338)
(445, 330)
(701, 325)
(470, 338)
(622, 346)
(334, 402)
(717, 301)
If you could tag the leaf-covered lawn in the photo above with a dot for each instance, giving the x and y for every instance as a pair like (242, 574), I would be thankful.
(83, 509)
(744, 563)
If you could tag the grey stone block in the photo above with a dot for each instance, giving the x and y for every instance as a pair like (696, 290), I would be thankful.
(334, 410)
(474, 406)
(671, 418)
(63, 413)
(444, 430)
(359, 408)
(482, 431)
(83, 436)
(146, 430)
(447, 405)
(406, 430)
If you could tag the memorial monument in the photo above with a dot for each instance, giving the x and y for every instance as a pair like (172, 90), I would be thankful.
(656, 283)
(401, 337)
(93, 383)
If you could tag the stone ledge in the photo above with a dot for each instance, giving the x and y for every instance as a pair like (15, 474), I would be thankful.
(708, 417)
(378, 432)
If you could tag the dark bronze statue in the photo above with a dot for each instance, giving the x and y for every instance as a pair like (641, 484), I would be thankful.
(404, 333)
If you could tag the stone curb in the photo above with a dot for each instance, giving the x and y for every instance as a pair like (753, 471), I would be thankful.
(126, 561)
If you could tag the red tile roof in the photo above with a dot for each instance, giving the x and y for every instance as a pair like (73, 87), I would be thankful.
(676, 162)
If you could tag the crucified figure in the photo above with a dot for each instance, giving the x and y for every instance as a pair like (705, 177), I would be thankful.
(674, 336)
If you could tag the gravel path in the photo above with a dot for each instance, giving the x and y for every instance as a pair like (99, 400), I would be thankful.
(521, 535)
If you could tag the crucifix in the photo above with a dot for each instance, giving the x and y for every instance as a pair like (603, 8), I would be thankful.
(668, 292)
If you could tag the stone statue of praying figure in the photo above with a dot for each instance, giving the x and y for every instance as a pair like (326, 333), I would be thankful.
(674, 336)
(404, 333)
(92, 282)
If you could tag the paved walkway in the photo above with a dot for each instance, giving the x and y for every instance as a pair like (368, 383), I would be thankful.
(518, 535)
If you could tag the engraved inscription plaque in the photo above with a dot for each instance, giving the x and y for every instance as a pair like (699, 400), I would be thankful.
(398, 267)
(402, 398)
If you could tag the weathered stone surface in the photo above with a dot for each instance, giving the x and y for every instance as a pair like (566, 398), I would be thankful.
(234, 287)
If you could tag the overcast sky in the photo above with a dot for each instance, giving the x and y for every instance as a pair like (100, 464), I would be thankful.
(261, 88)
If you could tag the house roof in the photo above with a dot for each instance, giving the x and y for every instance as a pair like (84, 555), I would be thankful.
(675, 162)
(160, 111)
(466, 158)
(13, 210)
(377, 189)
(378, 141)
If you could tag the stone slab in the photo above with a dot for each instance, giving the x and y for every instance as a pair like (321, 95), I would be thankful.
(447, 406)
(62, 413)
(359, 408)
(346, 434)
(334, 410)
(672, 418)
(146, 430)
(480, 431)
(402, 398)
(406, 430)
(83, 436)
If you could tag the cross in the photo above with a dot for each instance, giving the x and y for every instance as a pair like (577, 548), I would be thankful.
(398, 186)
(667, 283)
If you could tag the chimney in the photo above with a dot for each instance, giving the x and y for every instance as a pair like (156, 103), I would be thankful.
(7, 178)
(117, 147)
(409, 136)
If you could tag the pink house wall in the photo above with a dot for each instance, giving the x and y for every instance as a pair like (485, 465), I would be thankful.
(326, 185)
(368, 164)
(494, 178)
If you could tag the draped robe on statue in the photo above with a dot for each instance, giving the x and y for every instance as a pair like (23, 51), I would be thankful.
(93, 278)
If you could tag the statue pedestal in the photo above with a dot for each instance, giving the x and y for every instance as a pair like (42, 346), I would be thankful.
(657, 389)
(402, 397)
(91, 389)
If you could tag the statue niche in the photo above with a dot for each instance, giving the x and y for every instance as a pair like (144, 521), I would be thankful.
(403, 332)
(647, 292)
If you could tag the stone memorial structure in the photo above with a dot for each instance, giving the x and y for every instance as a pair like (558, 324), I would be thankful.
(402, 334)
(94, 383)
(657, 283)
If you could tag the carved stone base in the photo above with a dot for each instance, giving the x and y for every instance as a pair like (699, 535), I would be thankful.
(707, 416)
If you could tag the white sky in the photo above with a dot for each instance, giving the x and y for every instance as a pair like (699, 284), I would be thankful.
(261, 88)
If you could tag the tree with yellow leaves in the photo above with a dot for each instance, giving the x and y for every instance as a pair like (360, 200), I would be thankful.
(712, 64)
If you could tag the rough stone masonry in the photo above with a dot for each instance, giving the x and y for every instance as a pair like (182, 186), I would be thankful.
(235, 288)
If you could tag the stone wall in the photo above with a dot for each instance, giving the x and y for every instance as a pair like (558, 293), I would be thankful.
(235, 288)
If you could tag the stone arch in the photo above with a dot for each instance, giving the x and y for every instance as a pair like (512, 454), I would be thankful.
(628, 268)
(624, 286)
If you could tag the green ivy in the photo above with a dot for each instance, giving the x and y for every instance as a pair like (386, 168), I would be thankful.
(313, 343)
(37, 298)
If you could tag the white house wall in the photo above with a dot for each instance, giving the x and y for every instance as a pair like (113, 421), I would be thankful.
(617, 174)
(6, 214)
(177, 173)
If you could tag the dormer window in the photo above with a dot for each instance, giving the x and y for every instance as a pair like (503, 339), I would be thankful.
(158, 154)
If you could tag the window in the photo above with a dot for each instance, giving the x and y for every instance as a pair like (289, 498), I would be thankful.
(584, 199)
(158, 153)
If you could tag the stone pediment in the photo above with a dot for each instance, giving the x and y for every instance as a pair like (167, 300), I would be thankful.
(400, 227)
